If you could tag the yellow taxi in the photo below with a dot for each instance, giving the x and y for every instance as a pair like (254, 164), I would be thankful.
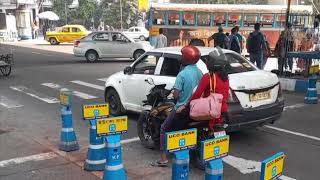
(68, 33)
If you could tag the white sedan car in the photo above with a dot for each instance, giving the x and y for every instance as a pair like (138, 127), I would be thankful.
(137, 33)
(255, 95)
(109, 44)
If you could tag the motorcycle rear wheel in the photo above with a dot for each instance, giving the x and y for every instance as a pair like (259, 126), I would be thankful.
(144, 131)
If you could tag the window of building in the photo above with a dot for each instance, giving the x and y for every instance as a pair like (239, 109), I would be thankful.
(158, 18)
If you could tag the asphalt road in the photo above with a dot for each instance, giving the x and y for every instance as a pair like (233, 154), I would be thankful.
(30, 126)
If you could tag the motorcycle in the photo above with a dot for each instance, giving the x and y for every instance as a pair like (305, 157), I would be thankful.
(158, 107)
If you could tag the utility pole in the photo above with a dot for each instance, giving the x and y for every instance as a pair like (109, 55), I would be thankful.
(65, 10)
(288, 12)
(121, 15)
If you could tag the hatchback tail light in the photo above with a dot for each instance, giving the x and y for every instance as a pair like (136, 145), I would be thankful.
(232, 97)
(76, 43)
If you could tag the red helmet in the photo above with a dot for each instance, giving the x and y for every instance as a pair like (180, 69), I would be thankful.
(190, 55)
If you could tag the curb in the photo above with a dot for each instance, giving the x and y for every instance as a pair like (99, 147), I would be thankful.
(297, 85)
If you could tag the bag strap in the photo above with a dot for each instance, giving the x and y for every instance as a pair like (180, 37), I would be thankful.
(214, 83)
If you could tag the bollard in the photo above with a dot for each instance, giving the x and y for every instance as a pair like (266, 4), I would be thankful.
(68, 139)
(114, 167)
(311, 95)
(96, 159)
(214, 170)
(180, 165)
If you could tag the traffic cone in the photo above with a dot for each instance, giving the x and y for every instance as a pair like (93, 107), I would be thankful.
(68, 139)
(96, 159)
(114, 167)
(311, 95)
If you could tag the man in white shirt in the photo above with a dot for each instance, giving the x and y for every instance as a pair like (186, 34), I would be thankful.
(161, 40)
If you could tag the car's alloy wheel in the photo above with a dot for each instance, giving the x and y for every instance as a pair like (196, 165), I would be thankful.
(53, 41)
(91, 56)
(137, 54)
(114, 101)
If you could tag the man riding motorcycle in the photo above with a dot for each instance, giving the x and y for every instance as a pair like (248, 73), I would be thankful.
(187, 79)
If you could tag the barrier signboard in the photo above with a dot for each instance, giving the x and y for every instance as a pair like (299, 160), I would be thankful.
(95, 111)
(112, 125)
(272, 167)
(179, 140)
(215, 148)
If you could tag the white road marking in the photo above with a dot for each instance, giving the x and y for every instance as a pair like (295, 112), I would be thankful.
(294, 106)
(103, 79)
(41, 54)
(247, 166)
(127, 141)
(294, 133)
(7, 103)
(36, 157)
(75, 93)
(88, 84)
(32, 93)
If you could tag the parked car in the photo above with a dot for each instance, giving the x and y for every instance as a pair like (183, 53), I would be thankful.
(137, 33)
(106, 44)
(68, 33)
(255, 95)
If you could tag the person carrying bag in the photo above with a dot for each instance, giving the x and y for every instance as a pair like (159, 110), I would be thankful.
(205, 109)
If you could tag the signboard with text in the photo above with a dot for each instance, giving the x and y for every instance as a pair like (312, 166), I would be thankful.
(112, 126)
(64, 98)
(215, 148)
(272, 167)
(179, 140)
(95, 111)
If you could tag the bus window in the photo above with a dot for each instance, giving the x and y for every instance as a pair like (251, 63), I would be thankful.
(281, 20)
(250, 19)
(158, 18)
(234, 19)
(174, 18)
(188, 19)
(203, 19)
(219, 19)
(266, 20)
(298, 22)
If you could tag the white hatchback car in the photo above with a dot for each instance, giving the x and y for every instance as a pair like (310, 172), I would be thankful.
(255, 95)
(137, 33)
(105, 44)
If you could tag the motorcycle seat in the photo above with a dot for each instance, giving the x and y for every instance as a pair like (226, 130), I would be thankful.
(198, 124)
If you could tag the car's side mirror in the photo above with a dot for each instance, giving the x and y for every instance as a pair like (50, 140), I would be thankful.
(127, 70)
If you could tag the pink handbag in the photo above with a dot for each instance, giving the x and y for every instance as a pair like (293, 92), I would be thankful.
(204, 109)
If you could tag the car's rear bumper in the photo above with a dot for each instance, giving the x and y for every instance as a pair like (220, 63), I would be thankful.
(78, 52)
(240, 119)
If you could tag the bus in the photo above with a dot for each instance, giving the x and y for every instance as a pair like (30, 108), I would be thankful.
(182, 23)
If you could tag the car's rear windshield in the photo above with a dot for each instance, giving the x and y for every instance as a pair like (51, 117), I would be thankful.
(238, 63)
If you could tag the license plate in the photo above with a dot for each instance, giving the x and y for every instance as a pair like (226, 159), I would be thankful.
(260, 96)
(219, 134)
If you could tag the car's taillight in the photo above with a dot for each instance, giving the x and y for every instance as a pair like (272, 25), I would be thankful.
(232, 97)
(76, 43)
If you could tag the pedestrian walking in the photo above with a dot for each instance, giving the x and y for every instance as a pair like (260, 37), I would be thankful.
(234, 43)
(240, 37)
(266, 52)
(285, 44)
(306, 45)
(256, 44)
(161, 40)
(219, 38)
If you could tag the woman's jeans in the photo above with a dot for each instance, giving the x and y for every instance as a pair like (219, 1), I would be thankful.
(166, 126)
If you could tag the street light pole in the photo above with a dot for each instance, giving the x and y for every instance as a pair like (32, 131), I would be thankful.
(121, 15)
(65, 9)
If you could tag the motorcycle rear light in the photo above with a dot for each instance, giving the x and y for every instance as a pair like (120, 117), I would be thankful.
(76, 43)
(232, 97)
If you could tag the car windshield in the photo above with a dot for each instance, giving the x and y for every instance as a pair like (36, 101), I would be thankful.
(238, 63)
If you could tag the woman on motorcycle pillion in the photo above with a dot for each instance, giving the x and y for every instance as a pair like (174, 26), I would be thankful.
(218, 66)
(187, 79)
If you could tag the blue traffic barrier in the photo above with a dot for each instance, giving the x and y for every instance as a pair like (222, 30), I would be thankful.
(114, 167)
(311, 96)
(214, 170)
(96, 159)
(68, 139)
(180, 165)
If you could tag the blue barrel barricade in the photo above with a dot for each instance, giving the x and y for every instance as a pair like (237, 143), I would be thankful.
(311, 96)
